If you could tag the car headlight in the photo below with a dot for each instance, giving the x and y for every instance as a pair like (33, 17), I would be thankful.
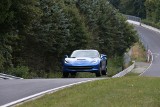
(94, 61)
(66, 62)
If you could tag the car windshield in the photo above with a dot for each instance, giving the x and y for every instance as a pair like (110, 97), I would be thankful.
(85, 53)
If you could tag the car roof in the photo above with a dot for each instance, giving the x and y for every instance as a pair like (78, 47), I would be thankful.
(86, 50)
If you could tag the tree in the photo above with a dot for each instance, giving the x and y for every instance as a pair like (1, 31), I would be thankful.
(26, 13)
(104, 22)
(153, 10)
(5, 33)
(130, 7)
(115, 3)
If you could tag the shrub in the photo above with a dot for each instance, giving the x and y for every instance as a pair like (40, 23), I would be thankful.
(19, 71)
(150, 23)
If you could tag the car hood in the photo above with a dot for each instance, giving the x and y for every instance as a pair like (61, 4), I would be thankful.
(82, 61)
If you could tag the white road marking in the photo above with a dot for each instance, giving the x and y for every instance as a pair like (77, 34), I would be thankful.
(155, 53)
(149, 65)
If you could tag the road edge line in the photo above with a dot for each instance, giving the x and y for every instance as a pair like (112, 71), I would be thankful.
(149, 65)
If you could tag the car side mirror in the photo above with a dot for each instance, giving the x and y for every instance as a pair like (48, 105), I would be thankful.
(65, 56)
(103, 56)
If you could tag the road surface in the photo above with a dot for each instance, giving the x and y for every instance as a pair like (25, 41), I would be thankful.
(12, 90)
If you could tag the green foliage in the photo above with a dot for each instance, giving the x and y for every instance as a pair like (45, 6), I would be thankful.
(114, 65)
(26, 13)
(148, 22)
(5, 50)
(49, 37)
(131, 7)
(149, 10)
(111, 26)
(19, 71)
(5, 14)
(5, 36)
(79, 35)
(1, 62)
(153, 10)
(115, 3)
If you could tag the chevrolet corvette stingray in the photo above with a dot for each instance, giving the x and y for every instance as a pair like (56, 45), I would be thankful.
(85, 61)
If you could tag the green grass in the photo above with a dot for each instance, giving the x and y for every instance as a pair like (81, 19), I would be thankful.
(138, 53)
(132, 74)
(85, 75)
(114, 65)
(119, 92)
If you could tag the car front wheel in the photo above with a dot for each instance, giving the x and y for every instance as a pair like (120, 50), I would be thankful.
(104, 72)
(98, 74)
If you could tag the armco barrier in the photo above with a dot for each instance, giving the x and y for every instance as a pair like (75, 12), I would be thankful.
(134, 18)
(137, 21)
(124, 72)
(5, 76)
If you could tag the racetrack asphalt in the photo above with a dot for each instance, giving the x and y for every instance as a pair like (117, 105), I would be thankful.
(12, 90)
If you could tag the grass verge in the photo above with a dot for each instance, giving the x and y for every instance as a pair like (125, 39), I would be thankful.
(114, 65)
(138, 53)
(119, 92)
(132, 74)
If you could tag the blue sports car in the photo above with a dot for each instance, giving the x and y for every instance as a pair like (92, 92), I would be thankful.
(85, 61)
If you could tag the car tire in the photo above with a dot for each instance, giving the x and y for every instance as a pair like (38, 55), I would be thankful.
(65, 74)
(98, 74)
(103, 72)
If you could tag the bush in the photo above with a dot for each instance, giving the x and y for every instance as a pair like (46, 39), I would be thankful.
(150, 23)
(19, 71)
(115, 65)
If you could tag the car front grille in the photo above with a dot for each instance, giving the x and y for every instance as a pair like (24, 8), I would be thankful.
(80, 67)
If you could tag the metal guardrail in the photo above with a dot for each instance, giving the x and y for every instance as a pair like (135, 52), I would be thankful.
(5, 76)
(134, 18)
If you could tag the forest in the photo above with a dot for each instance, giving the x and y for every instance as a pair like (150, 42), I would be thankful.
(148, 10)
(36, 34)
